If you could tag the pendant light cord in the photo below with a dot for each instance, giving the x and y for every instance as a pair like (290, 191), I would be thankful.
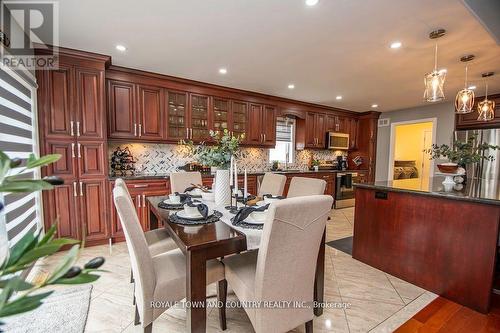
(436, 57)
(465, 76)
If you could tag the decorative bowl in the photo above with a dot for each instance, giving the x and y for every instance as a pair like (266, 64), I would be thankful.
(448, 167)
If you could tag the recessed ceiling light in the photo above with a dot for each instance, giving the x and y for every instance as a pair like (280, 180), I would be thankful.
(121, 48)
(222, 71)
(291, 86)
(472, 87)
(374, 106)
(396, 45)
(312, 2)
(338, 98)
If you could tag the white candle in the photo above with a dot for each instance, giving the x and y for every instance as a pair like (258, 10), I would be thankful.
(235, 177)
(245, 185)
(231, 172)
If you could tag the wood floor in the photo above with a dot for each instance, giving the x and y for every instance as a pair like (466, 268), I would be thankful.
(443, 315)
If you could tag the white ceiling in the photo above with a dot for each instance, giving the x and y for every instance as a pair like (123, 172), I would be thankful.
(339, 47)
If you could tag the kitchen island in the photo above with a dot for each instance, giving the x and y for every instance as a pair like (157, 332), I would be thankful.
(443, 240)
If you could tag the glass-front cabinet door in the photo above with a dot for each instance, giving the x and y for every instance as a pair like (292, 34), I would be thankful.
(177, 115)
(239, 117)
(198, 128)
(221, 114)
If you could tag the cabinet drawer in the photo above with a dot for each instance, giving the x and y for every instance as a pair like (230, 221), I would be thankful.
(146, 186)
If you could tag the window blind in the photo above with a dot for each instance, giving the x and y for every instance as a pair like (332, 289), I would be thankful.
(284, 129)
(18, 138)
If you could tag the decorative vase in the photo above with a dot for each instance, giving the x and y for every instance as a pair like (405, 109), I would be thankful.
(222, 189)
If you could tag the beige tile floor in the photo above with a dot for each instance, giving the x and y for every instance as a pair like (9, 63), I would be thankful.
(375, 301)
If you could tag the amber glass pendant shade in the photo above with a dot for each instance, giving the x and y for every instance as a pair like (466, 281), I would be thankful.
(486, 110)
(434, 86)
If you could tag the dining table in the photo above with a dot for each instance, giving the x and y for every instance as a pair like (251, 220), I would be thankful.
(203, 242)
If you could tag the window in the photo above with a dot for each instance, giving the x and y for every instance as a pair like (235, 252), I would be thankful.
(284, 151)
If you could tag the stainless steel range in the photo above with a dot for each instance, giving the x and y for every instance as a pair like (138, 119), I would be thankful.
(344, 190)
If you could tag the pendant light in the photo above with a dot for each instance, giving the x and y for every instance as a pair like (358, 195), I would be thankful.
(434, 81)
(464, 102)
(486, 108)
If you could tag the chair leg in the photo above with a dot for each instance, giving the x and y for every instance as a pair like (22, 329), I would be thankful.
(131, 276)
(222, 297)
(149, 328)
(133, 300)
(309, 326)
(137, 319)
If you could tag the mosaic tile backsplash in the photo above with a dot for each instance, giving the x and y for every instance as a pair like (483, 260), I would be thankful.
(164, 158)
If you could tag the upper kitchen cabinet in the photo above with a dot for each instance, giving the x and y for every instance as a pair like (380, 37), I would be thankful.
(71, 101)
(311, 131)
(469, 120)
(198, 125)
(337, 124)
(221, 114)
(261, 125)
(239, 117)
(135, 111)
(352, 124)
(177, 115)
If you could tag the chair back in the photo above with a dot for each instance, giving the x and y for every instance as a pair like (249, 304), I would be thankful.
(120, 182)
(140, 257)
(273, 184)
(287, 259)
(302, 186)
(179, 181)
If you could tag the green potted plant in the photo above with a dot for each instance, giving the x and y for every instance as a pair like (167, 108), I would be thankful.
(17, 295)
(461, 154)
(315, 164)
(275, 165)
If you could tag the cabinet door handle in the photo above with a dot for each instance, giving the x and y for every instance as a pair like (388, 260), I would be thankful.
(71, 125)
(77, 128)
(73, 150)
(81, 189)
(140, 185)
(139, 201)
(75, 194)
(140, 130)
(264, 137)
(143, 200)
(191, 130)
(135, 129)
(187, 133)
(79, 150)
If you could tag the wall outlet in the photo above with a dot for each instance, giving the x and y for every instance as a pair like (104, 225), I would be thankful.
(383, 122)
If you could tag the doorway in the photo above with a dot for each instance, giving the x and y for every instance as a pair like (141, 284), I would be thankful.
(409, 165)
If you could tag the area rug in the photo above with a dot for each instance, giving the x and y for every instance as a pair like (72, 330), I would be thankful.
(342, 244)
(63, 311)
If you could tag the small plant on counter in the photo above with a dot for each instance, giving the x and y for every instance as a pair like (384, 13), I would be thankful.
(218, 152)
(463, 152)
(17, 295)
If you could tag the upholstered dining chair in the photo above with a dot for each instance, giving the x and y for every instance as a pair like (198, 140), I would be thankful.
(302, 186)
(179, 181)
(284, 267)
(158, 240)
(273, 184)
(161, 277)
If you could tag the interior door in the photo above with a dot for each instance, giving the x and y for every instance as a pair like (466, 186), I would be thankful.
(254, 130)
(122, 114)
(151, 113)
(269, 126)
(58, 111)
(90, 103)
(94, 224)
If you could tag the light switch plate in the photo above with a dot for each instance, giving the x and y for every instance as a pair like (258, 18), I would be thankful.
(384, 122)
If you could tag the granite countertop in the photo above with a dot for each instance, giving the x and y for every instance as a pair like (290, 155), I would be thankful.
(485, 191)
(166, 175)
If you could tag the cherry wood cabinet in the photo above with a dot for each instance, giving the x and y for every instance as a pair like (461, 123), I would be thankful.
(122, 117)
(261, 125)
(199, 111)
(366, 144)
(352, 125)
(151, 113)
(337, 124)
(311, 131)
(177, 115)
(221, 114)
(469, 120)
(239, 118)
(72, 123)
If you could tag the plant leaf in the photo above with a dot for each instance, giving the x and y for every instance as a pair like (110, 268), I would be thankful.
(48, 235)
(20, 285)
(79, 279)
(25, 244)
(25, 185)
(44, 160)
(44, 250)
(23, 304)
(65, 264)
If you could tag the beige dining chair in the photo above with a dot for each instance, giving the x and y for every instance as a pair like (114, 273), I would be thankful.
(273, 184)
(158, 240)
(159, 278)
(284, 267)
(302, 186)
(179, 181)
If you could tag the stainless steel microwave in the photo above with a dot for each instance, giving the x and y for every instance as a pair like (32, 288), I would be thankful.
(338, 141)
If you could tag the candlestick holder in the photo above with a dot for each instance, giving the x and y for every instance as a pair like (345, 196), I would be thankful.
(233, 209)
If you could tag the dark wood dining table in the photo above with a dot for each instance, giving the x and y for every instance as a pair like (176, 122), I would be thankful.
(209, 241)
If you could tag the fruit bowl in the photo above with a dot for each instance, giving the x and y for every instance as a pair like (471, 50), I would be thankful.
(448, 167)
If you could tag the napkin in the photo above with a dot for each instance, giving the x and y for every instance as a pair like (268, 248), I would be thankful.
(189, 189)
(202, 208)
(183, 196)
(244, 212)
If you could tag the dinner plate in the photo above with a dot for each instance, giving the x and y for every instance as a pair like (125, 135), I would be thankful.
(182, 214)
(251, 220)
(168, 202)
